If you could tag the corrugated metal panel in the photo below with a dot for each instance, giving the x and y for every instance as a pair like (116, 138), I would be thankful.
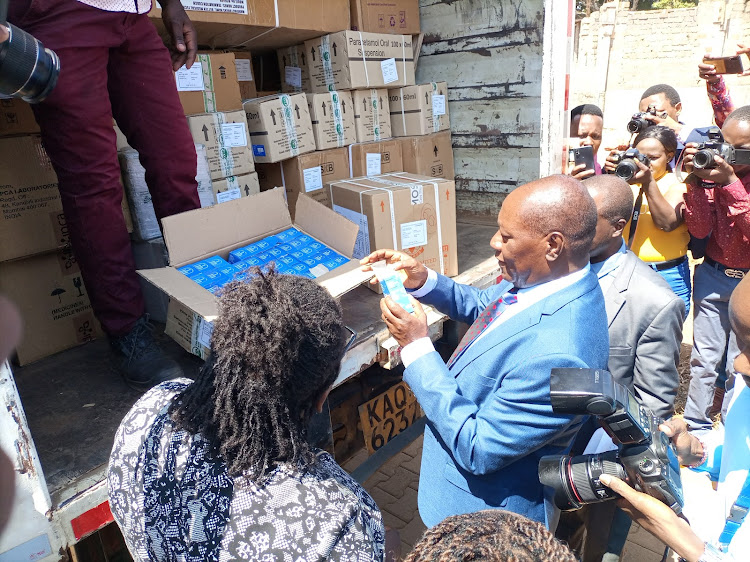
(490, 53)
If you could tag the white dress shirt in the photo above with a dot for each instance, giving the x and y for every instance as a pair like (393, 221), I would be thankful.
(130, 6)
(527, 297)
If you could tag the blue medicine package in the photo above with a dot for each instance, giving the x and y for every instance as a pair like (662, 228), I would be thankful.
(293, 253)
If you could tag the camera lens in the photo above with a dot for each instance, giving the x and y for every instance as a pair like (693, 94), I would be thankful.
(704, 159)
(636, 125)
(575, 480)
(626, 169)
(27, 69)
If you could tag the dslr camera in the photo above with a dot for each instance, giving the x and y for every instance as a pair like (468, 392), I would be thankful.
(704, 158)
(645, 457)
(639, 122)
(626, 166)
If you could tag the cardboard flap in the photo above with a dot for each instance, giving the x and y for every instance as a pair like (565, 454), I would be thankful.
(343, 279)
(206, 231)
(179, 287)
(326, 225)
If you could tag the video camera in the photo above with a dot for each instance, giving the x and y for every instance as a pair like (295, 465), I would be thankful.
(704, 158)
(639, 122)
(645, 457)
(626, 166)
(27, 70)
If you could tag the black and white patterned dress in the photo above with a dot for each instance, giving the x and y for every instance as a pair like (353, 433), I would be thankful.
(174, 500)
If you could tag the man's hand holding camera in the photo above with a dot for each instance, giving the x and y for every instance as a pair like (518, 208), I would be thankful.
(405, 327)
(722, 173)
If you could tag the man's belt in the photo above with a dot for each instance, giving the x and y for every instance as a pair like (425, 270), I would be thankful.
(669, 264)
(732, 272)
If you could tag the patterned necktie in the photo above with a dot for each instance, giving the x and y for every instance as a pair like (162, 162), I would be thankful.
(483, 321)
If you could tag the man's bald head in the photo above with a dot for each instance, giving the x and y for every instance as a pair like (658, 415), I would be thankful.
(561, 204)
(612, 195)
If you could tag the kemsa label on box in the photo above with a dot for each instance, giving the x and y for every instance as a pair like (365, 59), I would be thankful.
(231, 6)
(414, 234)
(244, 70)
(373, 164)
(190, 79)
(313, 178)
(293, 76)
(233, 134)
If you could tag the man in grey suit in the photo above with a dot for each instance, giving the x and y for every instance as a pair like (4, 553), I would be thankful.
(645, 331)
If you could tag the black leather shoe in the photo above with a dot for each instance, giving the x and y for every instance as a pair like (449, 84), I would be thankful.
(143, 363)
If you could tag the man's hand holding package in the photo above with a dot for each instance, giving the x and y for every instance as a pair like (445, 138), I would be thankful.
(405, 327)
(416, 273)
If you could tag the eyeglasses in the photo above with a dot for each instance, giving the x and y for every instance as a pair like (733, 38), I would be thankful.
(351, 335)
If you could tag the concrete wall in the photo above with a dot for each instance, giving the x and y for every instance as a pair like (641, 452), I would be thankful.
(620, 53)
(490, 54)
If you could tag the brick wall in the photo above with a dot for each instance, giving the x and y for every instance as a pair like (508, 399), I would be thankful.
(620, 53)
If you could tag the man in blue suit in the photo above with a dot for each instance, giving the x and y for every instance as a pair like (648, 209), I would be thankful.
(489, 417)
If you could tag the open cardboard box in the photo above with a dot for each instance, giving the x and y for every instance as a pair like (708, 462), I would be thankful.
(217, 230)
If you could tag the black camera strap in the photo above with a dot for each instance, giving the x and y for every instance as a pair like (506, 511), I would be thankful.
(635, 216)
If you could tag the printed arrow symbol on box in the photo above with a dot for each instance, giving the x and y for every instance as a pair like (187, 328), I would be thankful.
(435, 150)
(343, 106)
(312, 51)
(382, 206)
(334, 49)
(364, 103)
(324, 109)
(296, 108)
(303, 59)
(223, 72)
(273, 117)
(448, 194)
(205, 132)
(427, 98)
(381, 102)
(247, 190)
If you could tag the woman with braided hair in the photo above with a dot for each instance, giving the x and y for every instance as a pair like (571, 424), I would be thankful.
(220, 468)
(492, 535)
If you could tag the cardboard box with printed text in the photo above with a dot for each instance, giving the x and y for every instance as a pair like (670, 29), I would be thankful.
(407, 212)
(243, 64)
(279, 126)
(310, 174)
(386, 16)
(218, 230)
(209, 85)
(295, 77)
(375, 158)
(227, 142)
(429, 155)
(16, 117)
(234, 187)
(349, 60)
(419, 110)
(332, 117)
(372, 119)
(57, 314)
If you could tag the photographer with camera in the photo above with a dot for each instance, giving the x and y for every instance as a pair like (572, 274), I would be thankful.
(661, 105)
(656, 232)
(114, 64)
(719, 526)
(718, 207)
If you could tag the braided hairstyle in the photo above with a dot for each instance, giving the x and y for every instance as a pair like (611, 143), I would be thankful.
(491, 536)
(276, 347)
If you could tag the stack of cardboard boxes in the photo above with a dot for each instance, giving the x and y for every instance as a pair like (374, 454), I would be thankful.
(38, 271)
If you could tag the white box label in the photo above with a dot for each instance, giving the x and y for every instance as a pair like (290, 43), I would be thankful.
(362, 245)
(190, 79)
(233, 134)
(205, 332)
(231, 6)
(244, 70)
(293, 76)
(313, 178)
(417, 194)
(390, 73)
(228, 195)
(414, 234)
(438, 104)
(373, 164)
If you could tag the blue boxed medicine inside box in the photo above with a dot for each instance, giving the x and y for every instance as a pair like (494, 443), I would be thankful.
(198, 235)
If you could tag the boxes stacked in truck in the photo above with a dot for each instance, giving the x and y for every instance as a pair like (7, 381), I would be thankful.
(279, 127)
(38, 270)
(295, 77)
(394, 16)
(419, 110)
(243, 64)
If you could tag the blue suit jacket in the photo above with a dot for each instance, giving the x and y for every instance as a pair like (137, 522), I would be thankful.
(489, 416)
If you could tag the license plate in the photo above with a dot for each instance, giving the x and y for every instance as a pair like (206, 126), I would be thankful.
(387, 415)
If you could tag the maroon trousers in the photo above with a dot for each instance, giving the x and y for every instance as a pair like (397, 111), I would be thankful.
(113, 64)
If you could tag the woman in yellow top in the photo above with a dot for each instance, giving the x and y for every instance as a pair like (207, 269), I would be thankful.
(661, 236)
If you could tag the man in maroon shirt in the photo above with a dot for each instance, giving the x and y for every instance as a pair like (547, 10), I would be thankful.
(720, 210)
(113, 64)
